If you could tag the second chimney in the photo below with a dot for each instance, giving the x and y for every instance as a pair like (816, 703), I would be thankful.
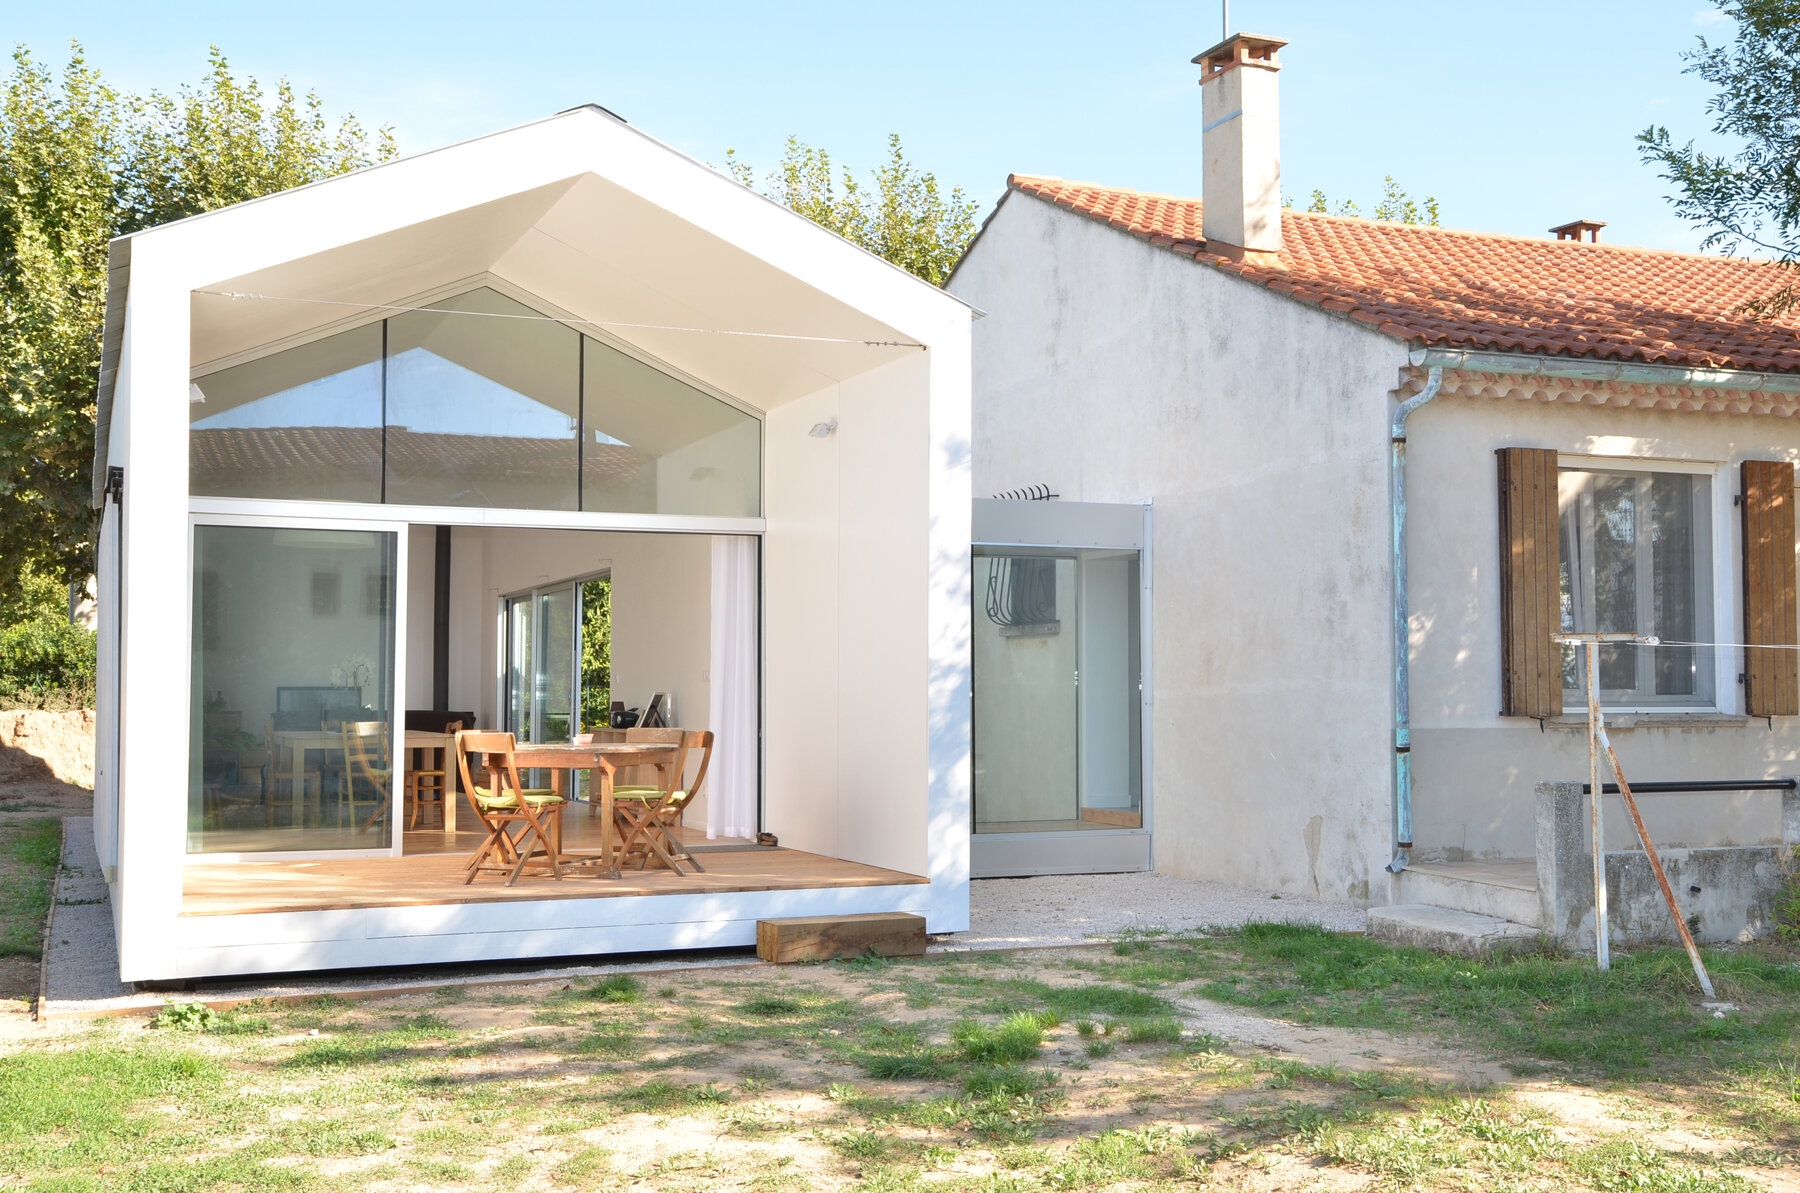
(1240, 144)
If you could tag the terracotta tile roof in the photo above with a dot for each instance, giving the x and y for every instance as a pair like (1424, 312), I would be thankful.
(1442, 288)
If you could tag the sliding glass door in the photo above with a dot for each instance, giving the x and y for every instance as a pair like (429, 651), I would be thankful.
(549, 674)
(292, 689)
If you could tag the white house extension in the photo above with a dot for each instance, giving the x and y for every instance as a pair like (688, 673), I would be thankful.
(1381, 466)
(384, 442)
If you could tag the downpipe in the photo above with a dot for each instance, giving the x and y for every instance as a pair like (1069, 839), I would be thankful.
(1403, 843)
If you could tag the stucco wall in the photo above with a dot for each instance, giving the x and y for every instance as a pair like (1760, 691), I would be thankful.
(1474, 770)
(1115, 371)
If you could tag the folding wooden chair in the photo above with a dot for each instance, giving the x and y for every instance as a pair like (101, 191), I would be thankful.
(504, 802)
(647, 816)
(428, 786)
(366, 758)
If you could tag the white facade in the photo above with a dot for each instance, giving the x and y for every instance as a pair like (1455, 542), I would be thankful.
(1258, 428)
(864, 532)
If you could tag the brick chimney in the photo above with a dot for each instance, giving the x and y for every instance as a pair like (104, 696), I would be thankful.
(1240, 143)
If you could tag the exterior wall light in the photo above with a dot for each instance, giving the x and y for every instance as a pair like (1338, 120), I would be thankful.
(823, 430)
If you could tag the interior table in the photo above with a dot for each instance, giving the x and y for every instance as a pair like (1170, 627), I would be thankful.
(601, 760)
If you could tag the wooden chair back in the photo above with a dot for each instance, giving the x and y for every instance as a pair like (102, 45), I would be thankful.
(634, 776)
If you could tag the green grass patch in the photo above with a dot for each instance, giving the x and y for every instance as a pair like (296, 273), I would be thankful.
(1641, 1019)
(35, 847)
(1016, 1039)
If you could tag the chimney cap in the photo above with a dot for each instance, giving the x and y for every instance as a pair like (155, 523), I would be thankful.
(1240, 49)
(1574, 228)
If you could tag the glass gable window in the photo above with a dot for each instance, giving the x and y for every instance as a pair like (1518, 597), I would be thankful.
(482, 411)
(1636, 553)
(302, 424)
(292, 690)
(656, 445)
(479, 401)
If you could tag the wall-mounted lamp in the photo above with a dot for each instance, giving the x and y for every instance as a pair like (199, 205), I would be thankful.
(823, 430)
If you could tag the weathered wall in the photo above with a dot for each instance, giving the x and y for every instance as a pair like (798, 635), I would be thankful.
(1474, 770)
(1116, 371)
(36, 744)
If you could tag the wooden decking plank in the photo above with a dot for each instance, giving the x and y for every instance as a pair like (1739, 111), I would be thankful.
(269, 887)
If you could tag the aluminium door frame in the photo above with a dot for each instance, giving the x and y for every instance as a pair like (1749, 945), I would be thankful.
(1055, 525)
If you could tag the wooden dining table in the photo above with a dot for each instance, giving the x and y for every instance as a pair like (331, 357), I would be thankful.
(602, 761)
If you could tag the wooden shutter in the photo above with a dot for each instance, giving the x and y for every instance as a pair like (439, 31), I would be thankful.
(1771, 677)
(1530, 604)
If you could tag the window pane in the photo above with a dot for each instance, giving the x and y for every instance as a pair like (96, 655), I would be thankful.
(1615, 575)
(287, 650)
(1637, 558)
(481, 410)
(653, 444)
(303, 424)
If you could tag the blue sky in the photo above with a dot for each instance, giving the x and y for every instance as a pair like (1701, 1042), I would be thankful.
(1516, 116)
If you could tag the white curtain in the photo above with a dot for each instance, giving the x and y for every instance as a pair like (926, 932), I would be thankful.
(731, 785)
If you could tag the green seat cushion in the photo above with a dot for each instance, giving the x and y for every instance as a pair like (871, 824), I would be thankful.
(644, 794)
(537, 797)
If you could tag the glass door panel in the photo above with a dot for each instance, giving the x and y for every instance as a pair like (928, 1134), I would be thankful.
(520, 665)
(555, 677)
(293, 643)
(1057, 696)
(1026, 699)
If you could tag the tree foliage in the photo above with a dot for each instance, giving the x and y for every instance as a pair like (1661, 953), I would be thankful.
(1396, 206)
(1750, 198)
(903, 215)
(81, 163)
(596, 654)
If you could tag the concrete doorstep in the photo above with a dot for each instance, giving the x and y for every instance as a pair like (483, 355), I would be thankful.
(1442, 930)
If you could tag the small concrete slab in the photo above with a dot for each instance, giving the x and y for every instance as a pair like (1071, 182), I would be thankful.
(1443, 930)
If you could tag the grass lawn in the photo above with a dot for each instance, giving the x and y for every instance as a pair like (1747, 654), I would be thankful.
(1082, 1068)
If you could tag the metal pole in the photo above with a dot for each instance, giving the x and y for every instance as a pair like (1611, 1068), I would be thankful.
(1662, 879)
(1224, 20)
(1602, 955)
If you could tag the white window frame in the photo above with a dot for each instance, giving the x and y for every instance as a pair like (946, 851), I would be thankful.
(1725, 613)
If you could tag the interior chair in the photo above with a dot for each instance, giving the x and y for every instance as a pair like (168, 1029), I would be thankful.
(368, 763)
(520, 821)
(648, 816)
(278, 766)
(428, 786)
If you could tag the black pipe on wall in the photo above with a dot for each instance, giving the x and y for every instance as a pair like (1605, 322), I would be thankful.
(440, 623)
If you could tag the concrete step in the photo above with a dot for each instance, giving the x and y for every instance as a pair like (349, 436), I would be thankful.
(1480, 893)
(1445, 930)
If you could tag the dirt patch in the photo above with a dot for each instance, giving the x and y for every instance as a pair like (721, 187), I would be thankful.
(1361, 1051)
(39, 746)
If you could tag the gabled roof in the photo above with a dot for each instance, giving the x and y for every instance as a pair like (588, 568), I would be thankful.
(1441, 288)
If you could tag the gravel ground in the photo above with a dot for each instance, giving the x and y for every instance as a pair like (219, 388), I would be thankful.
(81, 957)
(1076, 908)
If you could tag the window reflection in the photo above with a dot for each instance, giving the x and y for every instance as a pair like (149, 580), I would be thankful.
(482, 410)
(303, 424)
(291, 690)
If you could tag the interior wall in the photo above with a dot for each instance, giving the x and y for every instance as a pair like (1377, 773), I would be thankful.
(661, 613)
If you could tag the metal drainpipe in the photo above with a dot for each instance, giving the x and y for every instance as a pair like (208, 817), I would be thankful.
(1434, 380)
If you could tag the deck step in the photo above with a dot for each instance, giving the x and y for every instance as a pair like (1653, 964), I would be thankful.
(1443, 930)
(822, 937)
(1472, 892)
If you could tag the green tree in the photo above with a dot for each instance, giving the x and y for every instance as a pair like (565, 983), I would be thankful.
(1396, 206)
(1750, 198)
(596, 654)
(81, 163)
(903, 215)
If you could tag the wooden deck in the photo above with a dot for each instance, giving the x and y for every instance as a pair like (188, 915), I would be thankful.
(262, 887)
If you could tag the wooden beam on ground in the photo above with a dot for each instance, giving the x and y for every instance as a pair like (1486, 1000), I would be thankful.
(822, 937)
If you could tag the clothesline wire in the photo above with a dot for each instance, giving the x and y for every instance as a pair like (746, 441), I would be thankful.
(608, 323)
(1718, 645)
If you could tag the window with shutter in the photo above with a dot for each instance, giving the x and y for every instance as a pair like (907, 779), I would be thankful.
(1771, 676)
(1530, 614)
